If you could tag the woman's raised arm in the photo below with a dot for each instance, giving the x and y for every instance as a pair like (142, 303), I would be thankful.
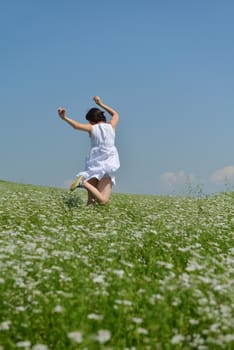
(114, 115)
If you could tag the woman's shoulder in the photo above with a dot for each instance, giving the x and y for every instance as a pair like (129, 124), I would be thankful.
(104, 126)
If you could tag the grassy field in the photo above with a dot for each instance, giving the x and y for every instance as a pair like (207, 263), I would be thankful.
(143, 272)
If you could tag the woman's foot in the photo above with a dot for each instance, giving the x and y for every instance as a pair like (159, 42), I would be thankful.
(78, 183)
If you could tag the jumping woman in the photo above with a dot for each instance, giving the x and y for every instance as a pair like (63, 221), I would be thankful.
(103, 159)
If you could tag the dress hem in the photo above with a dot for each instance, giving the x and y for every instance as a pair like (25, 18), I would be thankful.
(97, 176)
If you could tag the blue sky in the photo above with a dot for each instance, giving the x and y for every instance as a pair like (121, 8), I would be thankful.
(166, 66)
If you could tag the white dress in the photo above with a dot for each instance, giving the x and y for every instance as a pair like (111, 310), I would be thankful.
(103, 158)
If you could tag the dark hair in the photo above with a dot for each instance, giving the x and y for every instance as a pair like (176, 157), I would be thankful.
(95, 115)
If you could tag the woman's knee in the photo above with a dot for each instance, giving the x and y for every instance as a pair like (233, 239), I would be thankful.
(104, 200)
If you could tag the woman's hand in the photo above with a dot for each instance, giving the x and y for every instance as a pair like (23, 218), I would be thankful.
(62, 113)
(97, 100)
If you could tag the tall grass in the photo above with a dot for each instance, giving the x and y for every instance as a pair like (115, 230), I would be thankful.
(144, 272)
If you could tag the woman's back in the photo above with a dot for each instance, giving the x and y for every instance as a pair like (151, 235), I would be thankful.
(103, 135)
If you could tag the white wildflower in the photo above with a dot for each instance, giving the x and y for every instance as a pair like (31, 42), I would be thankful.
(193, 266)
(155, 297)
(119, 273)
(219, 288)
(176, 302)
(127, 263)
(184, 249)
(142, 330)
(95, 317)
(214, 327)
(178, 338)
(103, 336)
(20, 308)
(123, 302)
(40, 347)
(203, 301)
(98, 279)
(141, 291)
(227, 338)
(76, 337)
(193, 322)
(58, 309)
(137, 320)
(5, 325)
(23, 344)
(167, 265)
(40, 251)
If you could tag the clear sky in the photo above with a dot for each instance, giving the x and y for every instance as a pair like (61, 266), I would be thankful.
(167, 67)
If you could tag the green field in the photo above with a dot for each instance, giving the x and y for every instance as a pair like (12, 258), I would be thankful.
(143, 272)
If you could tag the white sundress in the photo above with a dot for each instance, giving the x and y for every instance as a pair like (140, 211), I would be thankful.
(103, 158)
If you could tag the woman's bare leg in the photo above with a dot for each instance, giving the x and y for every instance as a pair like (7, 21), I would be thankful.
(103, 190)
(91, 197)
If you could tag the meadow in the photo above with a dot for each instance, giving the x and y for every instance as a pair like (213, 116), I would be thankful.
(141, 273)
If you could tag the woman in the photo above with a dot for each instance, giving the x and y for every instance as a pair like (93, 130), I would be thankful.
(103, 159)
